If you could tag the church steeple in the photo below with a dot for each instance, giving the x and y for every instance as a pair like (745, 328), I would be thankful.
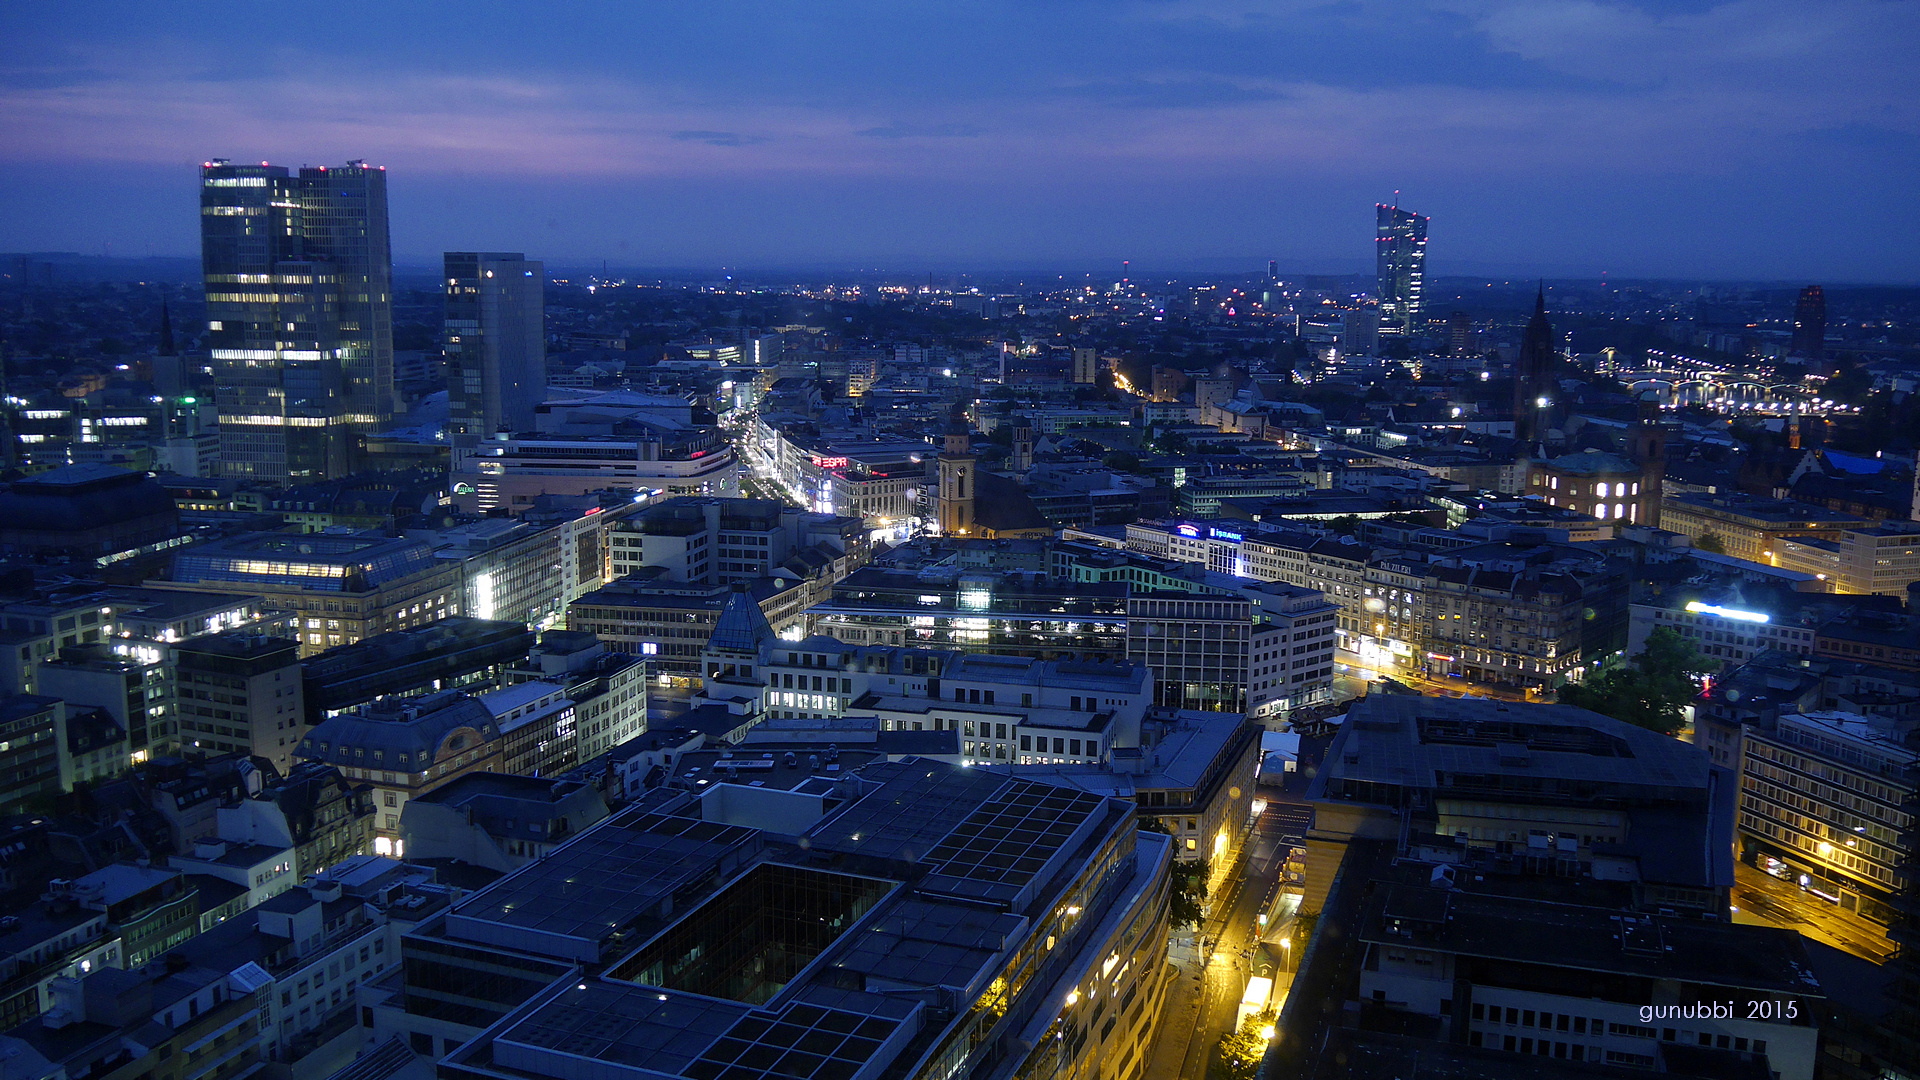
(1534, 385)
(166, 331)
(954, 473)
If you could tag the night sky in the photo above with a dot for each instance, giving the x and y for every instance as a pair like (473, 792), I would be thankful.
(1756, 139)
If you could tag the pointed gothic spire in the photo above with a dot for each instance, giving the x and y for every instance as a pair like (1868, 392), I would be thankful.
(166, 330)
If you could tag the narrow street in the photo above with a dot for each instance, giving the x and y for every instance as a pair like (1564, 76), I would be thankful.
(1201, 1008)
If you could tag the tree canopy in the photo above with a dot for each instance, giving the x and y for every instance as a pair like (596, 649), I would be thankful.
(1186, 902)
(1240, 1052)
(1650, 691)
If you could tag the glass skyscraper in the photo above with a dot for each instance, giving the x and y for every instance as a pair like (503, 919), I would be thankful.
(299, 286)
(1400, 254)
(495, 342)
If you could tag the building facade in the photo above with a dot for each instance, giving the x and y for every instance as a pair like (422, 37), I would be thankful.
(496, 344)
(1747, 526)
(337, 589)
(299, 286)
(1883, 559)
(404, 748)
(1827, 801)
(1054, 967)
(238, 692)
(1400, 257)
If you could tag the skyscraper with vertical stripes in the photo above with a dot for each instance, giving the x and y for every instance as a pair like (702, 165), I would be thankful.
(1400, 257)
(299, 288)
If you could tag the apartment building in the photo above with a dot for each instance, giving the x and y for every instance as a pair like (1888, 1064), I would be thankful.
(1883, 559)
(404, 748)
(1827, 800)
(240, 692)
(1748, 526)
(1529, 617)
(667, 622)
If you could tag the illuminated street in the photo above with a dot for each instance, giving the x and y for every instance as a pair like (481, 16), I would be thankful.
(1200, 1012)
(1761, 899)
(1352, 680)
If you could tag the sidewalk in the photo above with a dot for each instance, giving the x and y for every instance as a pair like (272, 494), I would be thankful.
(1179, 1019)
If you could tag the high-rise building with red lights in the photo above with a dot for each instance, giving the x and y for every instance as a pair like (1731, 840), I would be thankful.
(1810, 323)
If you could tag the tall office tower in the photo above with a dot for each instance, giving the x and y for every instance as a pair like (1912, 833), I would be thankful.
(1459, 334)
(496, 344)
(1534, 388)
(1400, 254)
(1273, 269)
(1810, 323)
(299, 287)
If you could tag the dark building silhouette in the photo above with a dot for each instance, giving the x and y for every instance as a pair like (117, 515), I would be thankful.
(1810, 323)
(495, 342)
(85, 512)
(1649, 439)
(1534, 388)
(1459, 334)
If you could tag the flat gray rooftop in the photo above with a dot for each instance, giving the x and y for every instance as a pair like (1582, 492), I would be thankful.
(641, 1030)
(592, 889)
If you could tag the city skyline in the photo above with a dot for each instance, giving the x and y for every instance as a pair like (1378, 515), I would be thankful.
(1745, 140)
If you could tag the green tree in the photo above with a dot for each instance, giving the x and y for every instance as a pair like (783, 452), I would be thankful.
(1186, 899)
(1121, 461)
(1649, 692)
(1711, 544)
(1240, 1052)
(1186, 904)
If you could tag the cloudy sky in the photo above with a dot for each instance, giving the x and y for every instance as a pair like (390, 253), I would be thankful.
(1775, 139)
